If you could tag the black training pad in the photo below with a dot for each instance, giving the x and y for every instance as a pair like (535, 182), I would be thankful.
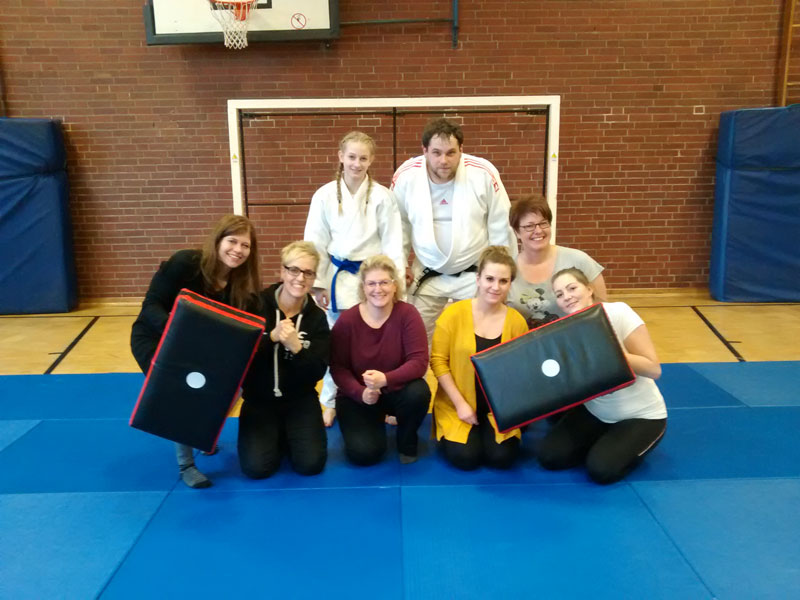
(584, 346)
(202, 336)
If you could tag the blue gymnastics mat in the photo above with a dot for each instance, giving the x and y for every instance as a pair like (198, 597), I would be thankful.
(11, 431)
(93, 508)
(740, 535)
(68, 545)
(756, 383)
(683, 386)
(100, 396)
(724, 443)
(87, 456)
(332, 543)
(548, 541)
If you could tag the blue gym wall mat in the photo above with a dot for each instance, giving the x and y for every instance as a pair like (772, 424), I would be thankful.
(754, 255)
(37, 269)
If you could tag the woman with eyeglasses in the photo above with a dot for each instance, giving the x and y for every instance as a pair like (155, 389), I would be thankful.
(225, 270)
(532, 293)
(280, 414)
(378, 361)
(350, 218)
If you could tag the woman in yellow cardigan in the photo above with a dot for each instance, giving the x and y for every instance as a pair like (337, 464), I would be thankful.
(464, 427)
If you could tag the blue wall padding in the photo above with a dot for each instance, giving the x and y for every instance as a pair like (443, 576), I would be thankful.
(37, 268)
(754, 256)
(30, 147)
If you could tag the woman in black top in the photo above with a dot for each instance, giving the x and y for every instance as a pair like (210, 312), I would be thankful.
(281, 413)
(226, 270)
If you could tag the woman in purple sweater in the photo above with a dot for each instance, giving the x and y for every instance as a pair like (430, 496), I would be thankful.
(379, 356)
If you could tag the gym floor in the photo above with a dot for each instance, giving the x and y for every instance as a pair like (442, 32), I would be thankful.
(686, 326)
(92, 508)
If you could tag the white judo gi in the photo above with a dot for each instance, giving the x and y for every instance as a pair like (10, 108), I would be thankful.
(363, 229)
(480, 207)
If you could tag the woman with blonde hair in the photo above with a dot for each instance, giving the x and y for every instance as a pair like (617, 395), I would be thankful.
(280, 412)
(350, 219)
(226, 270)
(379, 358)
(463, 424)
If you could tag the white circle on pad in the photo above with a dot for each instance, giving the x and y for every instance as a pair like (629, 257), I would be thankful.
(551, 368)
(195, 380)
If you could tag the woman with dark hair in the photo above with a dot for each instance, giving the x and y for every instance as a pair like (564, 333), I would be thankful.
(378, 361)
(465, 428)
(612, 433)
(531, 293)
(225, 270)
(281, 411)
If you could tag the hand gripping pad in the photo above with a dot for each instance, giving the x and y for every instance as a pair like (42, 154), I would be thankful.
(552, 368)
(197, 371)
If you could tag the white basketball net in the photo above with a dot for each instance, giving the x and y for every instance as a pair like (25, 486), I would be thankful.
(233, 16)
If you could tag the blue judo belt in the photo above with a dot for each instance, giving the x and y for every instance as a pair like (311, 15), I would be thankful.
(342, 264)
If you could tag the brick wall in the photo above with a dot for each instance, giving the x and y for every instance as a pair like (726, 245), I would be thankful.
(642, 86)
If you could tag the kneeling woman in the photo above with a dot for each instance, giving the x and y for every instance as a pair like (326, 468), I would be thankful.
(467, 432)
(281, 411)
(379, 359)
(226, 270)
(610, 434)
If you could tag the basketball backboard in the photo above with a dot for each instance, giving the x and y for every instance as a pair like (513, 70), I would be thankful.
(192, 22)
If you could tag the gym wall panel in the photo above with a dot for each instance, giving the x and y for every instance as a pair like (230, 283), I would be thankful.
(37, 270)
(754, 254)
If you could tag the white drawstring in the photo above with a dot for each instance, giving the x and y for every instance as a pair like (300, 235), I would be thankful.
(277, 390)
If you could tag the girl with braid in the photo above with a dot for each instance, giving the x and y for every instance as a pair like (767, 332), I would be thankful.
(350, 219)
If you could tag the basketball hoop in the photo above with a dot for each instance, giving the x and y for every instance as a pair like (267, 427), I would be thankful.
(233, 16)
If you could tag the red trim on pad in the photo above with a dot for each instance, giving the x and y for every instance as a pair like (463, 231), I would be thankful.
(153, 360)
(569, 406)
(216, 307)
(224, 309)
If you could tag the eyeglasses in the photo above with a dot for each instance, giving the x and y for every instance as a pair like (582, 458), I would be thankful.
(296, 272)
(383, 283)
(531, 227)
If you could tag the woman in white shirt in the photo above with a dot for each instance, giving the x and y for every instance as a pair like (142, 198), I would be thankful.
(612, 433)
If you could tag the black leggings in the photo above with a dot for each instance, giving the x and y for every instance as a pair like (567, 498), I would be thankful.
(363, 425)
(278, 426)
(481, 448)
(609, 450)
